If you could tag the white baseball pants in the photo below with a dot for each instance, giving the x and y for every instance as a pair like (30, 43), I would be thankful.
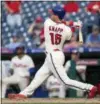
(54, 65)
(14, 79)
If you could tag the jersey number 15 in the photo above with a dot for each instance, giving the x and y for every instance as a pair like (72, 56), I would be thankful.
(55, 38)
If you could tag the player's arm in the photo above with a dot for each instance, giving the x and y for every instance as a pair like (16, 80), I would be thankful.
(69, 33)
(77, 25)
(32, 69)
(73, 23)
(68, 41)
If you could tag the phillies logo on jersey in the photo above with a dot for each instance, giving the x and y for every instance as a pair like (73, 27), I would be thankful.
(20, 65)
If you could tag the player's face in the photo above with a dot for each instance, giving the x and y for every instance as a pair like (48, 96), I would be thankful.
(95, 31)
(54, 17)
(75, 56)
(19, 51)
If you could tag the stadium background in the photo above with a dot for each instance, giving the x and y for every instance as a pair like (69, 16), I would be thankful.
(30, 11)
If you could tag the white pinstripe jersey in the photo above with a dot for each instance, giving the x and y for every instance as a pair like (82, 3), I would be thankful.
(55, 35)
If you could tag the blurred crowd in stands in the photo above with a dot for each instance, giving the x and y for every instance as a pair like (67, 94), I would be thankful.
(22, 22)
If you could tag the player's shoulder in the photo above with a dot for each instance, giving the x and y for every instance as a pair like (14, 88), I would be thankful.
(27, 56)
(47, 20)
(14, 57)
(68, 29)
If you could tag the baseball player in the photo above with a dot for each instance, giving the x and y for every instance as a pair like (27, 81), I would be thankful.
(55, 88)
(56, 33)
(20, 65)
(5, 72)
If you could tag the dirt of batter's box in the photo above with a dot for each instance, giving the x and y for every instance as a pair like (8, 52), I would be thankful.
(52, 101)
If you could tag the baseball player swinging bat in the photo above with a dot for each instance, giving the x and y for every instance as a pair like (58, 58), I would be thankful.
(56, 33)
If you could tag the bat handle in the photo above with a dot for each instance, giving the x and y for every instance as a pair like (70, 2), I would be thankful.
(80, 36)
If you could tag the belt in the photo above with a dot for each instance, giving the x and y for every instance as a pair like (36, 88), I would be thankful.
(56, 50)
(53, 50)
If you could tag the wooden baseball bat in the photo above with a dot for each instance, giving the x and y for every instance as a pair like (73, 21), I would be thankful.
(80, 36)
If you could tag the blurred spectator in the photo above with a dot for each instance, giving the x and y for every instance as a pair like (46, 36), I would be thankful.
(93, 39)
(55, 88)
(93, 6)
(13, 9)
(75, 71)
(73, 43)
(42, 39)
(71, 6)
(36, 31)
(75, 56)
(15, 43)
